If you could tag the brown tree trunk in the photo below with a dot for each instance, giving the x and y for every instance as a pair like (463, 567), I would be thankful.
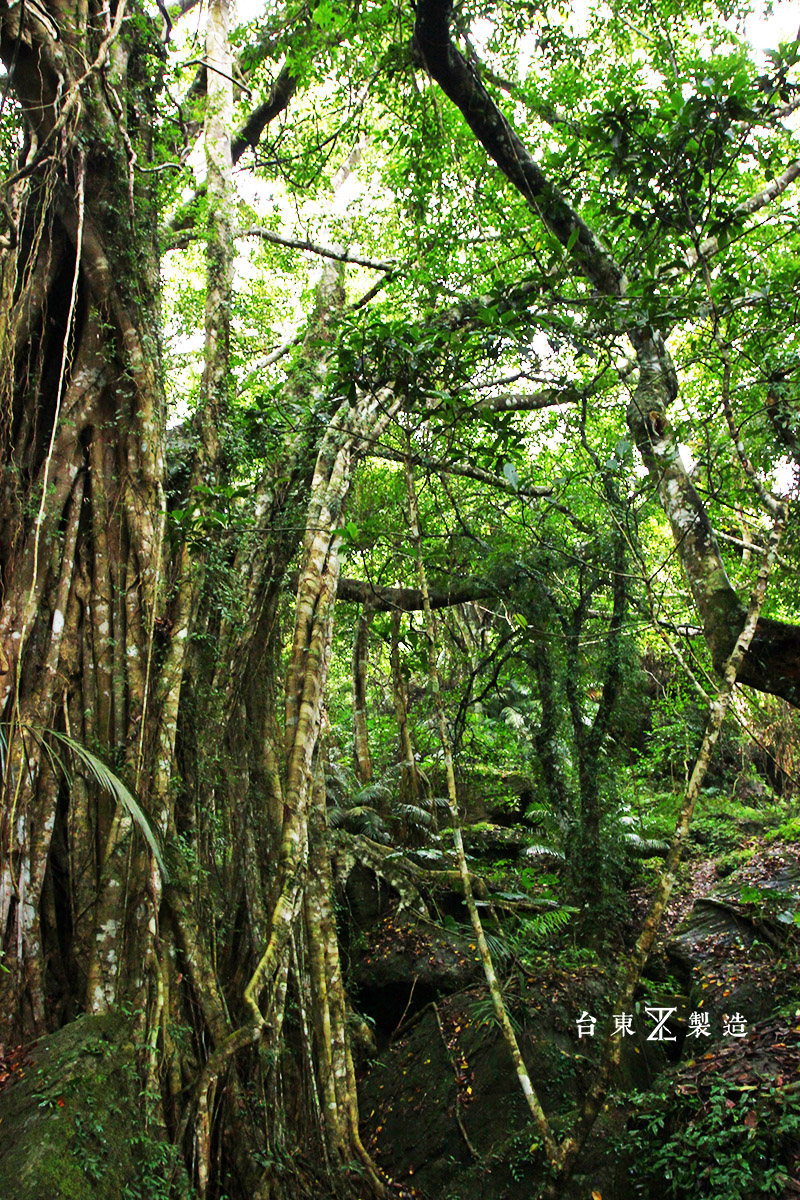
(82, 507)
(361, 758)
(110, 637)
(410, 783)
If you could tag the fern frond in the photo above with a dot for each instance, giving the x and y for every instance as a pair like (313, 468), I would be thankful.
(543, 925)
(541, 850)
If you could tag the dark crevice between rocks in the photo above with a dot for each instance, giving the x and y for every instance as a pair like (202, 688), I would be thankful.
(391, 1007)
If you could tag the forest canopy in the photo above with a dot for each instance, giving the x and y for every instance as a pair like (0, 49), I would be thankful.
(395, 399)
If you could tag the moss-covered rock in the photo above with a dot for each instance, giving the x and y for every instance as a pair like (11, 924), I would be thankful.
(71, 1125)
(443, 1109)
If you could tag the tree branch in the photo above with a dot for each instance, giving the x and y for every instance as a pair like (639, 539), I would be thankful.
(467, 471)
(721, 610)
(247, 138)
(405, 599)
(344, 256)
(463, 86)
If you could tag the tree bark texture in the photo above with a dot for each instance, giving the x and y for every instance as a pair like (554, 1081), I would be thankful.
(111, 637)
(82, 508)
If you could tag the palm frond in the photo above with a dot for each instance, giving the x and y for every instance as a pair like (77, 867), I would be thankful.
(426, 856)
(544, 815)
(482, 1012)
(360, 819)
(517, 691)
(370, 793)
(339, 780)
(110, 782)
(512, 718)
(337, 817)
(500, 950)
(412, 814)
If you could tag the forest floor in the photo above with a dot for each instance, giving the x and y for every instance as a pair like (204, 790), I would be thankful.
(714, 1115)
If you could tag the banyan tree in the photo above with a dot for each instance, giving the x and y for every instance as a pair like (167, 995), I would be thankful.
(168, 581)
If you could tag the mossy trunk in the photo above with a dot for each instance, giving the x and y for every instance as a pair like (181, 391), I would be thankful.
(111, 637)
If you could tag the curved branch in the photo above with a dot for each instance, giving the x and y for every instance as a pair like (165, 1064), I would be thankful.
(463, 86)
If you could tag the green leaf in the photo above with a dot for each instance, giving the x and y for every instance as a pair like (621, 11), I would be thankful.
(510, 472)
(111, 783)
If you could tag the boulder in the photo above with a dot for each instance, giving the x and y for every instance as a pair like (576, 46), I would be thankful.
(71, 1123)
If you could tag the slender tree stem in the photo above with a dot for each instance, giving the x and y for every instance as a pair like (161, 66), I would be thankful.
(528, 1091)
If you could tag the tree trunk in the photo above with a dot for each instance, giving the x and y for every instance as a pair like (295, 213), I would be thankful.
(113, 641)
(410, 783)
(361, 758)
(82, 509)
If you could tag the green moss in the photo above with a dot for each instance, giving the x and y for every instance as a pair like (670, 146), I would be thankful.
(71, 1125)
(789, 831)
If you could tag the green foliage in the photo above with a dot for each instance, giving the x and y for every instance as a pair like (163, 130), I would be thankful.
(734, 1143)
(161, 1171)
(540, 928)
(789, 831)
(362, 819)
(481, 1011)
